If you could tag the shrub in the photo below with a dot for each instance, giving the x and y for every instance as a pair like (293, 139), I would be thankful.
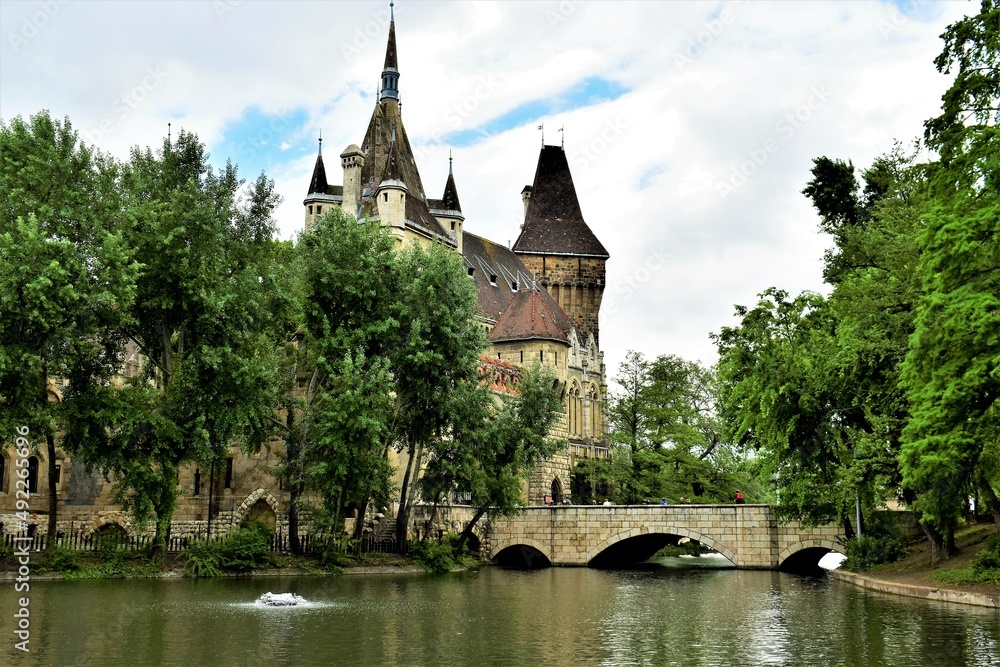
(64, 560)
(864, 553)
(246, 549)
(988, 559)
(434, 557)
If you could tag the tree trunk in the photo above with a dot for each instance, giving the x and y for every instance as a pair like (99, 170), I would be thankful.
(50, 442)
(431, 517)
(468, 530)
(292, 453)
(359, 523)
(403, 515)
(991, 501)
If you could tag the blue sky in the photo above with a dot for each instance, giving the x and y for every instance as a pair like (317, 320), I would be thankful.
(690, 126)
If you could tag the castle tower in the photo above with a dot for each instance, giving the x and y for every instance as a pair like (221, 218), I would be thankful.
(352, 160)
(321, 196)
(558, 247)
(390, 195)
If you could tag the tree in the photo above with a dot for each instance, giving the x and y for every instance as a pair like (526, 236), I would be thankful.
(502, 450)
(667, 434)
(349, 282)
(66, 284)
(952, 371)
(200, 320)
(436, 353)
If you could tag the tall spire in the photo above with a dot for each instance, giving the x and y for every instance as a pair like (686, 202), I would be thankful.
(390, 71)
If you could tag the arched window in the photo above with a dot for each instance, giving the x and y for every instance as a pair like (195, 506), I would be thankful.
(33, 474)
(595, 411)
(556, 490)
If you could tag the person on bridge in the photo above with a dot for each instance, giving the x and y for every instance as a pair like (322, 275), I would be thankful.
(739, 498)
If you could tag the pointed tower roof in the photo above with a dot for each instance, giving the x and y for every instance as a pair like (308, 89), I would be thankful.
(318, 183)
(450, 198)
(529, 316)
(390, 47)
(553, 223)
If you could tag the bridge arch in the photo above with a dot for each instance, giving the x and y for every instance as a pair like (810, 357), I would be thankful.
(526, 542)
(710, 542)
(817, 547)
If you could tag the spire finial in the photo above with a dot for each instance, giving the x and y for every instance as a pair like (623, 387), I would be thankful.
(562, 135)
(542, 128)
(392, 16)
(449, 162)
(168, 133)
(321, 142)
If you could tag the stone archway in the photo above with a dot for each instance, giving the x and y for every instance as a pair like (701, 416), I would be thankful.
(556, 491)
(242, 513)
(261, 511)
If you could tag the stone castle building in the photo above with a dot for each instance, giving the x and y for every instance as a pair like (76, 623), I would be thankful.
(539, 301)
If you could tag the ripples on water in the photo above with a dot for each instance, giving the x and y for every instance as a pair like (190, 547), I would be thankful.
(663, 614)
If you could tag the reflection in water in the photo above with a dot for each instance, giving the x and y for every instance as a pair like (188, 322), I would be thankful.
(664, 615)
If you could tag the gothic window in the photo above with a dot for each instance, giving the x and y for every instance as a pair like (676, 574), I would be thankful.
(595, 412)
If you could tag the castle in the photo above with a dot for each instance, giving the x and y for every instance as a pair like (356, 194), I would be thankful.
(538, 300)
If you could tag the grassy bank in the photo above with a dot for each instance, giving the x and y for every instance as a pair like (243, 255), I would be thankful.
(956, 572)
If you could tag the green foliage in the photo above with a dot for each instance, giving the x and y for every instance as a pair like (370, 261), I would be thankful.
(988, 559)
(64, 560)
(245, 549)
(867, 551)
(435, 557)
(667, 436)
(202, 559)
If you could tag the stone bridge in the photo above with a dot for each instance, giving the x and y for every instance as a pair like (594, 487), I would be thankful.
(578, 535)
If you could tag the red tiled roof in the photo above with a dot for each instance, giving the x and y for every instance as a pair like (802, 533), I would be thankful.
(529, 316)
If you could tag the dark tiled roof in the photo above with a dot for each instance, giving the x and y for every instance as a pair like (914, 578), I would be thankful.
(487, 259)
(450, 198)
(528, 316)
(554, 223)
(318, 182)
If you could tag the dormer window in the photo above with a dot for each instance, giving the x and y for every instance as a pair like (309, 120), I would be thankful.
(493, 279)
(513, 286)
(472, 272)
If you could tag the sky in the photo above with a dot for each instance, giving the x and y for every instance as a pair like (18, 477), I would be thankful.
(690, 127)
